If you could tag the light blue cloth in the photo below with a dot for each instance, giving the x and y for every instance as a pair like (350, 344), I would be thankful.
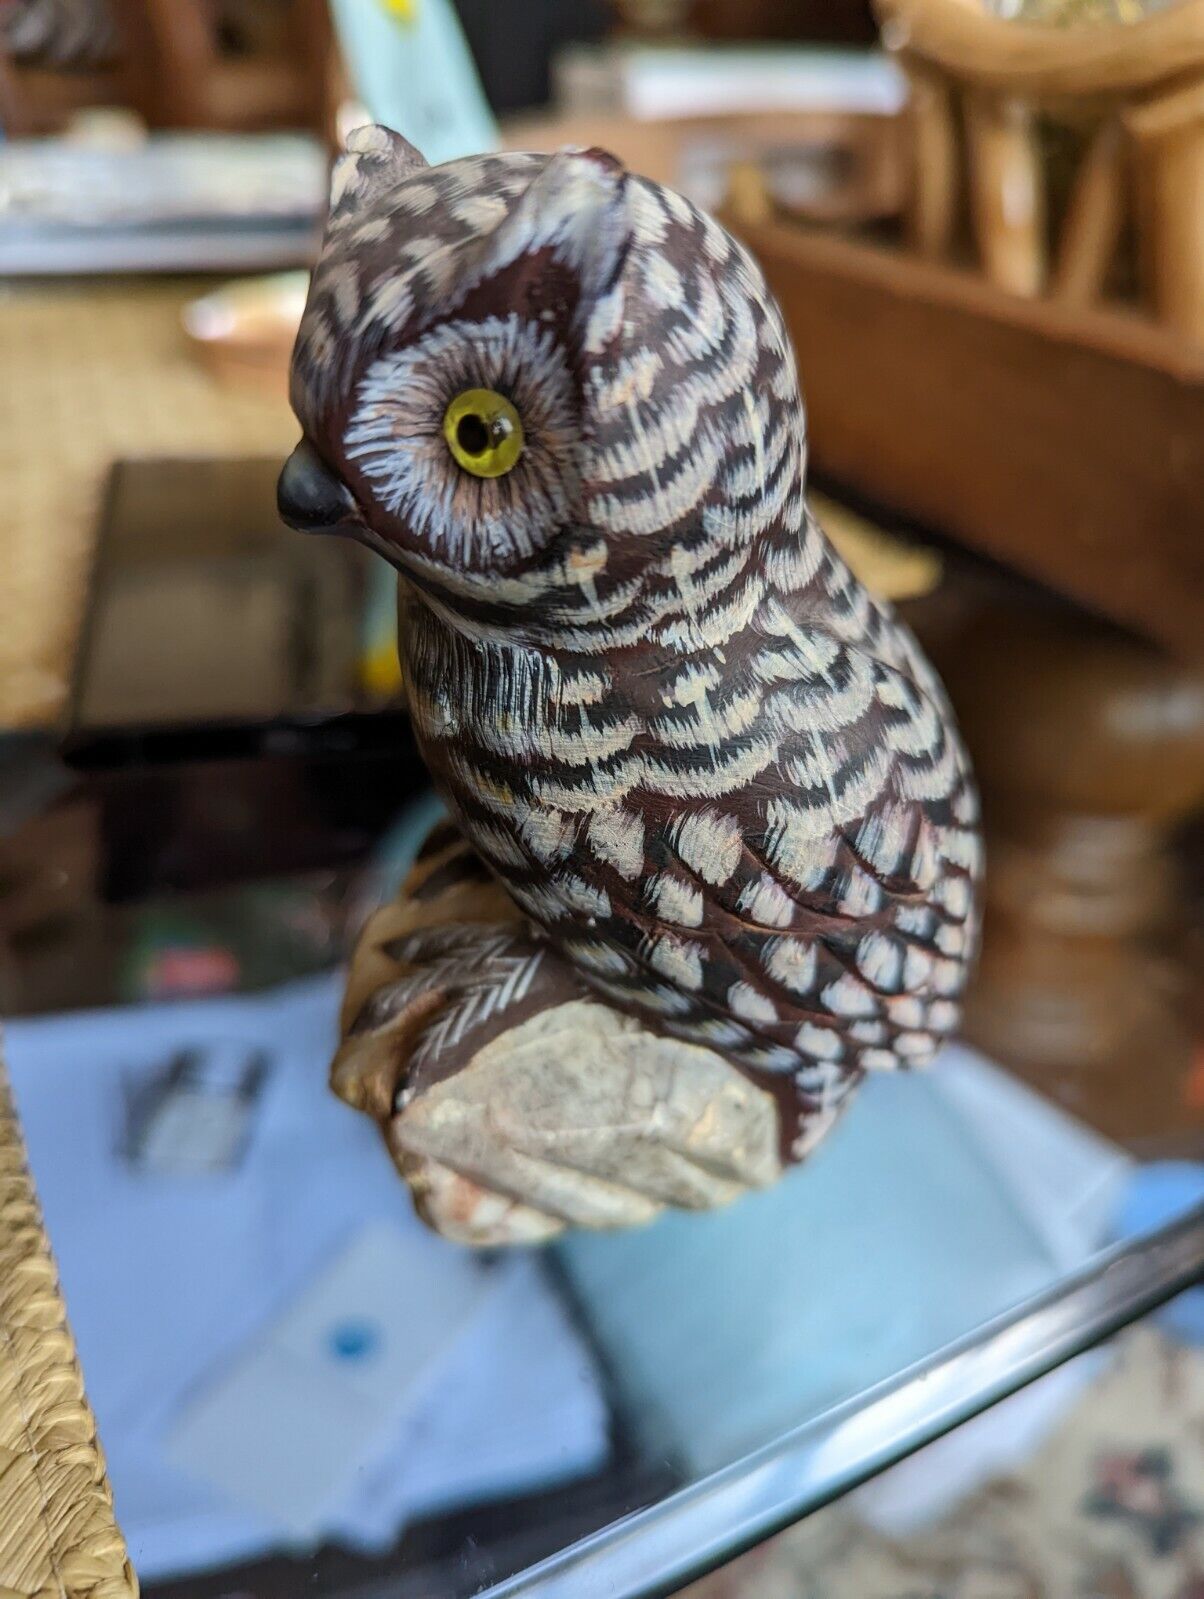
(942, 1199)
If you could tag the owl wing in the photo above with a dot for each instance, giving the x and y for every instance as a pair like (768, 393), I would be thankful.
(777, 858)
(819, 913)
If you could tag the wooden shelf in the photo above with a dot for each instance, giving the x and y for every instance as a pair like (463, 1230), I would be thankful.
(1067, 443)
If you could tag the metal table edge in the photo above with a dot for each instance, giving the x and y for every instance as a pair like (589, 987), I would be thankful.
(656, 1550)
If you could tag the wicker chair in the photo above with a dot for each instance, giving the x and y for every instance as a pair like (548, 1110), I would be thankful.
(59, 1539)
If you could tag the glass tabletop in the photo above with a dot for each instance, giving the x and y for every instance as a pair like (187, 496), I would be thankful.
(300, 1389)
(709, 1521)
(296, 1383)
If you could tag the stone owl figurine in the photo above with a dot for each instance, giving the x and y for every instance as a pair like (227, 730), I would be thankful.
(717, 778)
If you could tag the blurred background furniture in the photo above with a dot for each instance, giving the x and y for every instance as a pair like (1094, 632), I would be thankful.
(230, 64)
(1089, 748)
(57, 57)
(1061, 141)
(1066, 444)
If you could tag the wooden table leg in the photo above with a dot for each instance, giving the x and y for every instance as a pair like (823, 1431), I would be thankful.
(1007, 192)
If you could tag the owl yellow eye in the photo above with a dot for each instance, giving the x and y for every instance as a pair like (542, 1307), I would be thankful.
(483, 432)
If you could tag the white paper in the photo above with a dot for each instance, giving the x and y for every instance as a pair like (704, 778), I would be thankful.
(318, 1394)
(170, 1282)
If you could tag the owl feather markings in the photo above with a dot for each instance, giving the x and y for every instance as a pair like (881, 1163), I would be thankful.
(716, 774)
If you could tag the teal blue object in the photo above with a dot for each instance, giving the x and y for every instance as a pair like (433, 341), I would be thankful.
(894, 1238)
(1156, 1196)
(353, 1341)
(412, 69)
(397, 850)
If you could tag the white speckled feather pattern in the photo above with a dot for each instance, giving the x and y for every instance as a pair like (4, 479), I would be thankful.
(715, 771)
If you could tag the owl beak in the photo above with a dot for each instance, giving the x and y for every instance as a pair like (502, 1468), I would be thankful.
(311, 499)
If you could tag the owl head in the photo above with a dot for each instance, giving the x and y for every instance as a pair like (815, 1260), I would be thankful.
(538, 384)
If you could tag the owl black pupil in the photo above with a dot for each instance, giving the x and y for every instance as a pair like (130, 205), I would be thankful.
(472, 434)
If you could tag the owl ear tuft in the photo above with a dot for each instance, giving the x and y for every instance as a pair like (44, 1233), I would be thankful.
(373, 138)
(577, 207)
(375, 158)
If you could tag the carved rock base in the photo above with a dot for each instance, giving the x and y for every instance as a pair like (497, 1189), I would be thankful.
(516, 1105)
